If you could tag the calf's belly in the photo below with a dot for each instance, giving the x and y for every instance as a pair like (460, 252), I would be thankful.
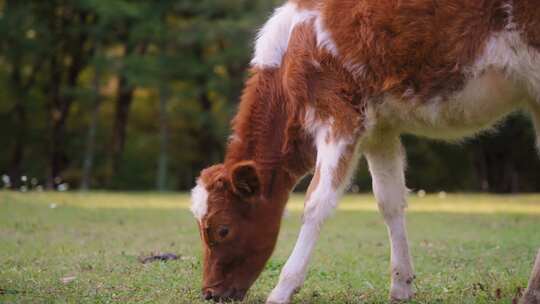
(482, 102)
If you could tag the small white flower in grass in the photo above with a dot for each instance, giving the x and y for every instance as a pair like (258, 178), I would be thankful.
(442, 195)
(34, 181)
(63, 187)
(421, 193)
(67, 280)
(188, 258)
(39, 188)
(24, 178)
(53, 206)
(23, 189)
(6, 181)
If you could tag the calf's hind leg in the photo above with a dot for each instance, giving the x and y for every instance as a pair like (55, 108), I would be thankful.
(387, 164)
(532, 294)
(535, 113)
(336, 159)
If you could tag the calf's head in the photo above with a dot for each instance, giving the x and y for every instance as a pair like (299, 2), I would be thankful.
(237, 231)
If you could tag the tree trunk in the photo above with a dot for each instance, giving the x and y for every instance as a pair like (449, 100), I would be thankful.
(20, 86)
(88, 161)
(17, 156)
(498, 162)
(206, 137)
(19, 114)
(161, 181)
(124, 99)
(480, 167)
(57, 121)
(58, 158)
(495, 169)
(60, 83)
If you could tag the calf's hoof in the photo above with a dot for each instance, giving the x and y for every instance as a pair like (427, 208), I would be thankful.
(401, 294)
(400, 300)
(530, 297)
(281, 296)
(401, 288)
(271, 300)
(278, 299)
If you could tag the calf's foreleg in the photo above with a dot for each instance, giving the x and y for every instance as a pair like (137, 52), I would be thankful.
(532, 294)
(335, 161)
(386, 162)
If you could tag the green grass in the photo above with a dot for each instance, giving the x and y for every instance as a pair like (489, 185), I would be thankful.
(466, 248)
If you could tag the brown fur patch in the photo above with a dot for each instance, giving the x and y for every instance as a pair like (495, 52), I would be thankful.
(418, 47)
(527, 18)
(213, 176)
(316, 79)
(307, 4)
(344, 166)
(267, 128)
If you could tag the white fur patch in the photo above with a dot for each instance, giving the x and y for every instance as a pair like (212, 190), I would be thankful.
(502, 80)
(481, 103)
(273, 39)
(387, 167)
(324, 39)
(199, 201)
(325, 197)
(508, 50)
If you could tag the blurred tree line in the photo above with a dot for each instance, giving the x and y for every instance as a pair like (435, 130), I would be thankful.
(138, 95)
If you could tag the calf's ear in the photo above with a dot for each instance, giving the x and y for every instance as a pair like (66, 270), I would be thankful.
(245, 179)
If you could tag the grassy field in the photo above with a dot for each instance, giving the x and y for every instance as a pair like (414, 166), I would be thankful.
(75, 248)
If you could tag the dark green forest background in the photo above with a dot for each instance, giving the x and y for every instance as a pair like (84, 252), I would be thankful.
(137, 95)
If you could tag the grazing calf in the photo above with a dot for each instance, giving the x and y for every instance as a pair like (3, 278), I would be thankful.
(532, 294)
(335, 79)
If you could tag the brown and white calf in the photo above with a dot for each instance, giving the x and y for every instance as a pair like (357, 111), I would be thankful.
(335, 79)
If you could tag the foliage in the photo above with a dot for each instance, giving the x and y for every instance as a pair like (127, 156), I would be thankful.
(117, 94)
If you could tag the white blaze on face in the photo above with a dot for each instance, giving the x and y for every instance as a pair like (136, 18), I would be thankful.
(199, 200)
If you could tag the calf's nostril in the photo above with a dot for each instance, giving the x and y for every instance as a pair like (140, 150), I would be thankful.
(239, 295)
(207, 295)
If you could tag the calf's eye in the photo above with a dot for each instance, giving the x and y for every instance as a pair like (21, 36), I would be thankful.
(223, 231)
